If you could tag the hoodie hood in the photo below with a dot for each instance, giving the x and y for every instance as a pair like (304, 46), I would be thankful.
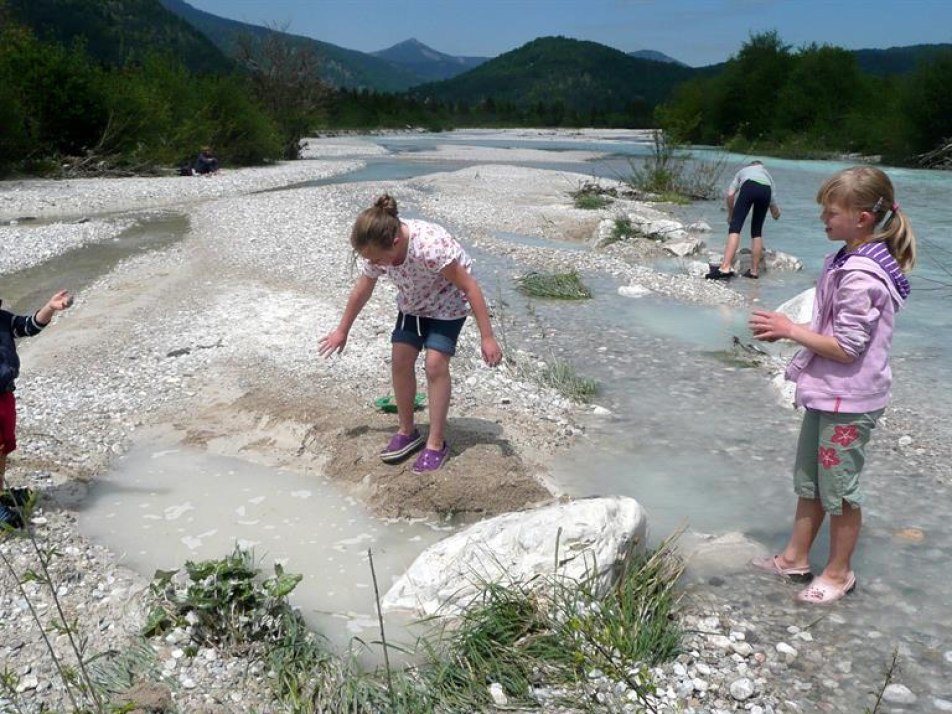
(879, 254)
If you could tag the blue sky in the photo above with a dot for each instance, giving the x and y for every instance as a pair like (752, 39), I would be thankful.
(697, 32)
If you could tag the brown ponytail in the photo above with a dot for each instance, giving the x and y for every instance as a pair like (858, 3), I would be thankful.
(377, 226)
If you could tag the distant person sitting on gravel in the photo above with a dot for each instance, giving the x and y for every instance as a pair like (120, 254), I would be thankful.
(205, 162)
(436, 291)
(842, 373)
(13, 327)
(752, 187)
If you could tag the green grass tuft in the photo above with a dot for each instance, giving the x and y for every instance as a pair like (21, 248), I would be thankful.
(591, 201)
(562, 377)
(557, 286)
(591, 196)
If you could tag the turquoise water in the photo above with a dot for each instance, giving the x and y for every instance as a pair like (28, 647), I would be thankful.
(703, 443)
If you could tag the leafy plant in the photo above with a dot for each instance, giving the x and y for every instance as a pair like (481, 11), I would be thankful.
(621, 230)
(670, 174)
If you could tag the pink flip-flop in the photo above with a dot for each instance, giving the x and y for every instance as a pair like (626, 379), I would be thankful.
(823, 592)
(771, 564)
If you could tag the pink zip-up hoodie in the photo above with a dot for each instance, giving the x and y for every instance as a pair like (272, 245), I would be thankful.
(857, 297)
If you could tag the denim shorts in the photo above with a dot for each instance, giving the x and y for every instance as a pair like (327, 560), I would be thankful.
(830, 457)
(439, 335)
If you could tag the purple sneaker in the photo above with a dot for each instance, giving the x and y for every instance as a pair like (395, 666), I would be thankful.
(401, 445)
(431, 459)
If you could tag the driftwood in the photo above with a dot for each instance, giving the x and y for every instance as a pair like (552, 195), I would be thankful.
(938, 158)
(111, 166)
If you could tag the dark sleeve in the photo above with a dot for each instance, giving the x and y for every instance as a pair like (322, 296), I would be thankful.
(25, 326)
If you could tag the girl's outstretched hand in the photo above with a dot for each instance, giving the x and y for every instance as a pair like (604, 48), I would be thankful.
(492, 354)
(332, 342)
(770, 326)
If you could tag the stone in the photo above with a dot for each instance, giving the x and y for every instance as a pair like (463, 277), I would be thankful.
(662, 229)
(899, 694)
(633, 291)
(684, 248)
(517, 547)
(742, 689)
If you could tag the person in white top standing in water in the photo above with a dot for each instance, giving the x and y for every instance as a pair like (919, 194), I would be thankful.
(436, 291)
(751, 188)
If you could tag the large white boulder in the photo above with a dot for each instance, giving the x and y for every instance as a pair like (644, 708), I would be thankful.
(779, 261)
(663, 229)
(588, 537)
(684, 248)
(799, 308)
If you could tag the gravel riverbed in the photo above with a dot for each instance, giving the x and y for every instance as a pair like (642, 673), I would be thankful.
(218, 332)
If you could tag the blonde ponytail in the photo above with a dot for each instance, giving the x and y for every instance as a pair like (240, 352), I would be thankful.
(867, 188)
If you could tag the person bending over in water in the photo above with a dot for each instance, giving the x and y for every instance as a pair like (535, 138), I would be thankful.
(751, 188)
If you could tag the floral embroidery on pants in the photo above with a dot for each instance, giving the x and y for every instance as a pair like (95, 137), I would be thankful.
(828, 457)
(845, 435)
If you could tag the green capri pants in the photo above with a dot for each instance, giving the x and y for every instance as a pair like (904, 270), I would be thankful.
(831, 452)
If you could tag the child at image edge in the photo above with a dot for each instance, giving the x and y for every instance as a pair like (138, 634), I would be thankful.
(436, 290)
(12, 327)
(842, 374)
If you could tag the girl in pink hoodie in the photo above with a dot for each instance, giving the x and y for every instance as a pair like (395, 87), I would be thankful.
(842, 373)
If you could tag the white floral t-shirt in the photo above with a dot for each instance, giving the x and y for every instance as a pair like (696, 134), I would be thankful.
(422, 290)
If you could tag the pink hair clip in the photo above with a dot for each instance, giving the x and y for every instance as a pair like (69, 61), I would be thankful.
(895, 207)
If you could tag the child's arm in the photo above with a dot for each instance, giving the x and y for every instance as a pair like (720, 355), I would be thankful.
(337, 338)
(770, 326)
(60, 301)
(456, 274)
(30, 325)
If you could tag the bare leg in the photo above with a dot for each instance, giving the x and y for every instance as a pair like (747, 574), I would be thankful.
(844, 533)
(3, 467)
(806, 524)
(439, 388)
(733, 241)
(756, 254)
(403, 370)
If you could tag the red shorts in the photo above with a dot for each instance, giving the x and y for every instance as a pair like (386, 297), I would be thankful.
(8, 422)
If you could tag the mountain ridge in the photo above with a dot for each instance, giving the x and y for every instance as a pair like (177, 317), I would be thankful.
(427, 63)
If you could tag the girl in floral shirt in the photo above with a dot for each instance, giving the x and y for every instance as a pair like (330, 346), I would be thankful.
(436, 291)
(842, 373)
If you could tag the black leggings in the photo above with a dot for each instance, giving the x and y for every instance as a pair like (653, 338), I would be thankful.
(751, 194)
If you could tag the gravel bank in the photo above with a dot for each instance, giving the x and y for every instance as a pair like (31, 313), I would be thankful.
(176, 339)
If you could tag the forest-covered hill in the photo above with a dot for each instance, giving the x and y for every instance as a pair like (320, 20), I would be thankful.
(340, 67)
(115, 32)
(897, 60)
(579, 74)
